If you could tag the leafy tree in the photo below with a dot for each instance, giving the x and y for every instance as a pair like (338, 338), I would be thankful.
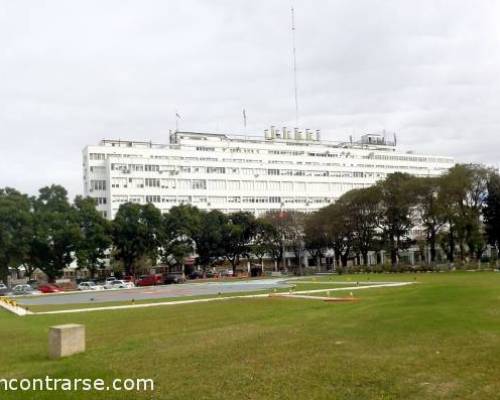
(431, 206)
(237, 234)
(16, 230)
(179, 227)
(492, 211)
(465, 193)
(95, 237)
(264, 239)
(362, 215)
(136, 234)
(289, 234)
(340, 232)
(208, 237)
(56, 231)
(316, 238)
(397, 200)
(279, 220)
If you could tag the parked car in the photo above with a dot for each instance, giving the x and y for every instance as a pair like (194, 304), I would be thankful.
(49, 288)
(174, 278)
(3, 289)
(89, 286)
(118, 284)
(108, 281)
(24, 289)
(33, 283)
(227, 272)
(196, 275)
(148, 280)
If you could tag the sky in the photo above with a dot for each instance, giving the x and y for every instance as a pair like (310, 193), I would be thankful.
(75, 72)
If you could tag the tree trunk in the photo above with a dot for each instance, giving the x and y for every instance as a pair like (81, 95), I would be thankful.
(432, 243)
(365, 257)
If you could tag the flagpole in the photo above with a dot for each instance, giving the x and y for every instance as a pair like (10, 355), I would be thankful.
(245, 123)
(177, 117)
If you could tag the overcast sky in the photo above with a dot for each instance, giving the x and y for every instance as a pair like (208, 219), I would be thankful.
(75, 72)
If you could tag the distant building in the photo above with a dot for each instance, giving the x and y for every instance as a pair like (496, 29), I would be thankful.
(284, 170)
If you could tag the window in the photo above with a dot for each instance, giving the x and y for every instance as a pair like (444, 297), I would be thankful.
(152, 182)
(97, 185)
(233, 185)
(151, 168)
(153, 199)
(100, 200)
(199, 184)
(260, 185)
(216, 170)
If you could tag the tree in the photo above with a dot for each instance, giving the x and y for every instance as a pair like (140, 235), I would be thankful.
(289, 227)
(55, 231)
(397, 200)
(431, 202)
(95, 237)
(492, 212)
(136, 234)
(362, 215)
(465, 193)
(339, 231)
(178, 228)
(16, 230)
(237, 234)
(316, 238)
(263, 241)
(209, 238)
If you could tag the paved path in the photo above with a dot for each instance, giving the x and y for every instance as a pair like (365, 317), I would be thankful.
(154, 292)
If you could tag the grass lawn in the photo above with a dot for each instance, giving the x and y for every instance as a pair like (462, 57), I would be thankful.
(436, 340)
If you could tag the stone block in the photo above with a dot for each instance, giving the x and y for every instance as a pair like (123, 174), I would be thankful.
(65, 340)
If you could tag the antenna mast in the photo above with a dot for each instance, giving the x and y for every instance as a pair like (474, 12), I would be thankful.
(295, 69)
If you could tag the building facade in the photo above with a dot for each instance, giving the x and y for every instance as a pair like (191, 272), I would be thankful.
(283, 170)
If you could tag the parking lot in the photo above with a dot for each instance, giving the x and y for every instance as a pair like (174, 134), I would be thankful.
(153, 292)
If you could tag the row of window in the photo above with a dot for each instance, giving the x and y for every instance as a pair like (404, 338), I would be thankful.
(213, 200)
(324, 154)
(222, 185)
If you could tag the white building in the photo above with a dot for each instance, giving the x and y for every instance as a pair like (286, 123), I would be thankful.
(283, 170)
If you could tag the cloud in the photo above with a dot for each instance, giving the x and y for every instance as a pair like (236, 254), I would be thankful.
(76, 72)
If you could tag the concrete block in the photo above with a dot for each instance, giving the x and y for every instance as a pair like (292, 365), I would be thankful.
(65, 340)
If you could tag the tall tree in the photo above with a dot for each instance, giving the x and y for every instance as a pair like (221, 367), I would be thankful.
(136, 234)
(264, 239)
(362, 216)
(209, 238)
(178, 230)
(340, 232)
(465, 193)
(316, 238)
(16, 230)
(237, 235)
(56, 231)
(397, 205)
(431, 205)
(95, 239)
(492, 212)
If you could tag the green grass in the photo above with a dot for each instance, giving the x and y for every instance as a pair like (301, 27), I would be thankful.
(436, 340)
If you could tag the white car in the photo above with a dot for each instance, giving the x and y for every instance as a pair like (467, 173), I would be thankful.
(24, 289)
(89, 286)
(118, 284)
(109, 280)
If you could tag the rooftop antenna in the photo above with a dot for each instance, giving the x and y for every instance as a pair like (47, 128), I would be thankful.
(295, 68)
